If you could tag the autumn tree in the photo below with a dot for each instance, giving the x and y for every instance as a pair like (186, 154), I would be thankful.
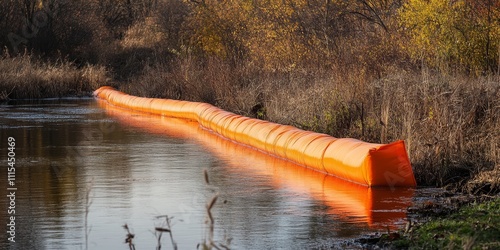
(217, 28)
(460, 33)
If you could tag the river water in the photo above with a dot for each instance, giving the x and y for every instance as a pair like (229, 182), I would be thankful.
(85, 168)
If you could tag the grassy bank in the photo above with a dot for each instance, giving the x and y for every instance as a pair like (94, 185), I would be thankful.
(30, 77)
(475, 226)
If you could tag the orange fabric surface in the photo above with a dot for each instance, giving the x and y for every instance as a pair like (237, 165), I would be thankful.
(364, 163)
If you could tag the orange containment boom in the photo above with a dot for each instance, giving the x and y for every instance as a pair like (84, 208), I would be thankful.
(364, 163)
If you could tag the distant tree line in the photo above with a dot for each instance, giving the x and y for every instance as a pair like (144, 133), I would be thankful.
(461, 35)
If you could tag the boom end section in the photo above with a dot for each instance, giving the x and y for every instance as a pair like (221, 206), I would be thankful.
(389, 165)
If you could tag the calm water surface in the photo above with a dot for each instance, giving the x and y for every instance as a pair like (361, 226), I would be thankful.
(84, 169)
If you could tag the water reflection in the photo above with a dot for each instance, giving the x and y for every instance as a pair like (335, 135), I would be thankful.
(379, 208)
(52, 215)
(143, 166)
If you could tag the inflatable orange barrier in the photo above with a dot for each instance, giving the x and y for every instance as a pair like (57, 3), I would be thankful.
(379, 208)
(350, 159)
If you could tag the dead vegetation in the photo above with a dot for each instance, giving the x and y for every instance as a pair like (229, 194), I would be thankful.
(30, 77)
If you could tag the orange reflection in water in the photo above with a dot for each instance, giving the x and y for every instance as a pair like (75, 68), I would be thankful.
(380, 208)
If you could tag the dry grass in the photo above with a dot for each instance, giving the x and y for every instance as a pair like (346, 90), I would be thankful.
(485, 182)
(450, 123)
(29, 77)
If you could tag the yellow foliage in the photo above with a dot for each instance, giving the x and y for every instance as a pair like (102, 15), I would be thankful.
(460, 32)
(274, 34)
(264, 30)
(217, 27)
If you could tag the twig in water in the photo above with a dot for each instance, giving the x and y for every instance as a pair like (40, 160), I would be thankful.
(205, 173)
(88, 203)
(130, 237)
(168, 230)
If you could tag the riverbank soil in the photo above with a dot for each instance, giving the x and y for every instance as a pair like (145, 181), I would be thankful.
(441, 219)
